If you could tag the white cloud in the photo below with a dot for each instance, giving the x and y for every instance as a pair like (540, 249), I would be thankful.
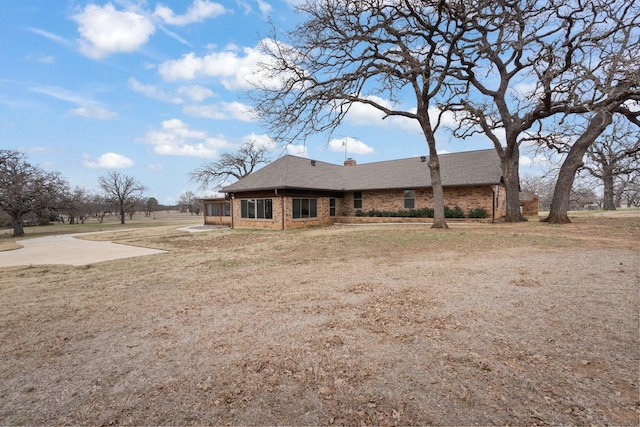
(222, 111)
(525, 89)
(51, 36)
(176, 138)
(60, 93)
(352, 145)
(181, 129)
(197, 12)
(153, 91)
(109, 161)
(262, 141)
(366, 115)
(105, 30)
(87, 107)
(236, 70)
(41, 57)
(94, 112)
(264, 7)
(195, 92)
(297, 150)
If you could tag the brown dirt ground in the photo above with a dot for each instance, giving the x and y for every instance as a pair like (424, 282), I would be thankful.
(512, 324)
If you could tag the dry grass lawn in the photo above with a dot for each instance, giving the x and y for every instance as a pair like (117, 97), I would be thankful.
(523, 324)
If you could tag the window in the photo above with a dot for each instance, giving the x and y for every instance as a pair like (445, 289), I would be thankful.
(409, 199)
(219, 209)
(357, 199)
(332, 207)
(305, 208)
(256, 208)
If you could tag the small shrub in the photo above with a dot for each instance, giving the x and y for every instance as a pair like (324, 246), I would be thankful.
(478, 213)
(406, 213)
(455, 212)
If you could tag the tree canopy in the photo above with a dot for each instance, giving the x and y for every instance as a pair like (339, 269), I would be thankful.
(234, 165)
(372, 52)
(507, 69)
(122, 191)
(26, 189)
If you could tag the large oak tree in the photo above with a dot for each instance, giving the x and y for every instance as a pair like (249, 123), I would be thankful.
(26, 189)
(527, 61)
(393, 56)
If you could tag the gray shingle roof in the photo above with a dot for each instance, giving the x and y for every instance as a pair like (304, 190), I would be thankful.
(480, 167)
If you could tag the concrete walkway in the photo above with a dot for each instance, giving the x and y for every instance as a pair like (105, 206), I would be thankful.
(67, 249)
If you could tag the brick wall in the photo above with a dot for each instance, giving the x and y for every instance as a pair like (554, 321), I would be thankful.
(280, 205)
(384, 200)
(530, 207)
(393, 200)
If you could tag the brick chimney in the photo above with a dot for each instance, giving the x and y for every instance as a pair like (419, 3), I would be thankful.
(349, 162)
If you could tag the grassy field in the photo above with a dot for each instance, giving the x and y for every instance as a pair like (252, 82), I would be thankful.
(155, 220)
(480, 324)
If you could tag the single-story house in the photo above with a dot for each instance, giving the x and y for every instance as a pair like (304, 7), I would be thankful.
(294, 192)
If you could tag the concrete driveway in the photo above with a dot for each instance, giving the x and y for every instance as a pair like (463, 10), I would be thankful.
(67, 249)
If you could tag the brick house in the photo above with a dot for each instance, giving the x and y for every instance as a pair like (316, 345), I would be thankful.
(294, 192)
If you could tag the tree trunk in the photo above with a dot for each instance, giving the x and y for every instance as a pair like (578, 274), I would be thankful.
(18, 228)
(439, 220)
(558, 213)
(618, 196)
(509, 160)
(122, 213)
(608, 202)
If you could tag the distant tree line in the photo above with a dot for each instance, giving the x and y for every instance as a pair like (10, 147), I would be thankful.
(30, 195)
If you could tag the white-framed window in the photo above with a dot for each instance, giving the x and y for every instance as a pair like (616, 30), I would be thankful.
(409, 199)
(256, 208)
(332, 207)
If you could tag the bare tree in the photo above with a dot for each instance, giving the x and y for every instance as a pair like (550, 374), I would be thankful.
(189, 202)
(541, 186)
(122, 191)
(629, 189)
(604, 82)
(614, 154)
(560, 47)
(99, 207)
(231, 165)
(151, 205)
(77, 204)
(371, 52)
(26, 189)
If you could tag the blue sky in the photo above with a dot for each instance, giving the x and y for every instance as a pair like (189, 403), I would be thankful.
(153, 89)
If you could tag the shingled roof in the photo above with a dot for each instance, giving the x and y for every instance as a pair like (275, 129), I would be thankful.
(470, 168)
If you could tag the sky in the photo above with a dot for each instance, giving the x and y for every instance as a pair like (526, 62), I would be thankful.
(154, 89)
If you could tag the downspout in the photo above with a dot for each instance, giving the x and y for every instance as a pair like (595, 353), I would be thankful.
(233, 197)
(493, 203)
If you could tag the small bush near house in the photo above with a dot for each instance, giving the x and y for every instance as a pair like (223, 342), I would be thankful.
(410, 213)
(478, 213)
(454, 212)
